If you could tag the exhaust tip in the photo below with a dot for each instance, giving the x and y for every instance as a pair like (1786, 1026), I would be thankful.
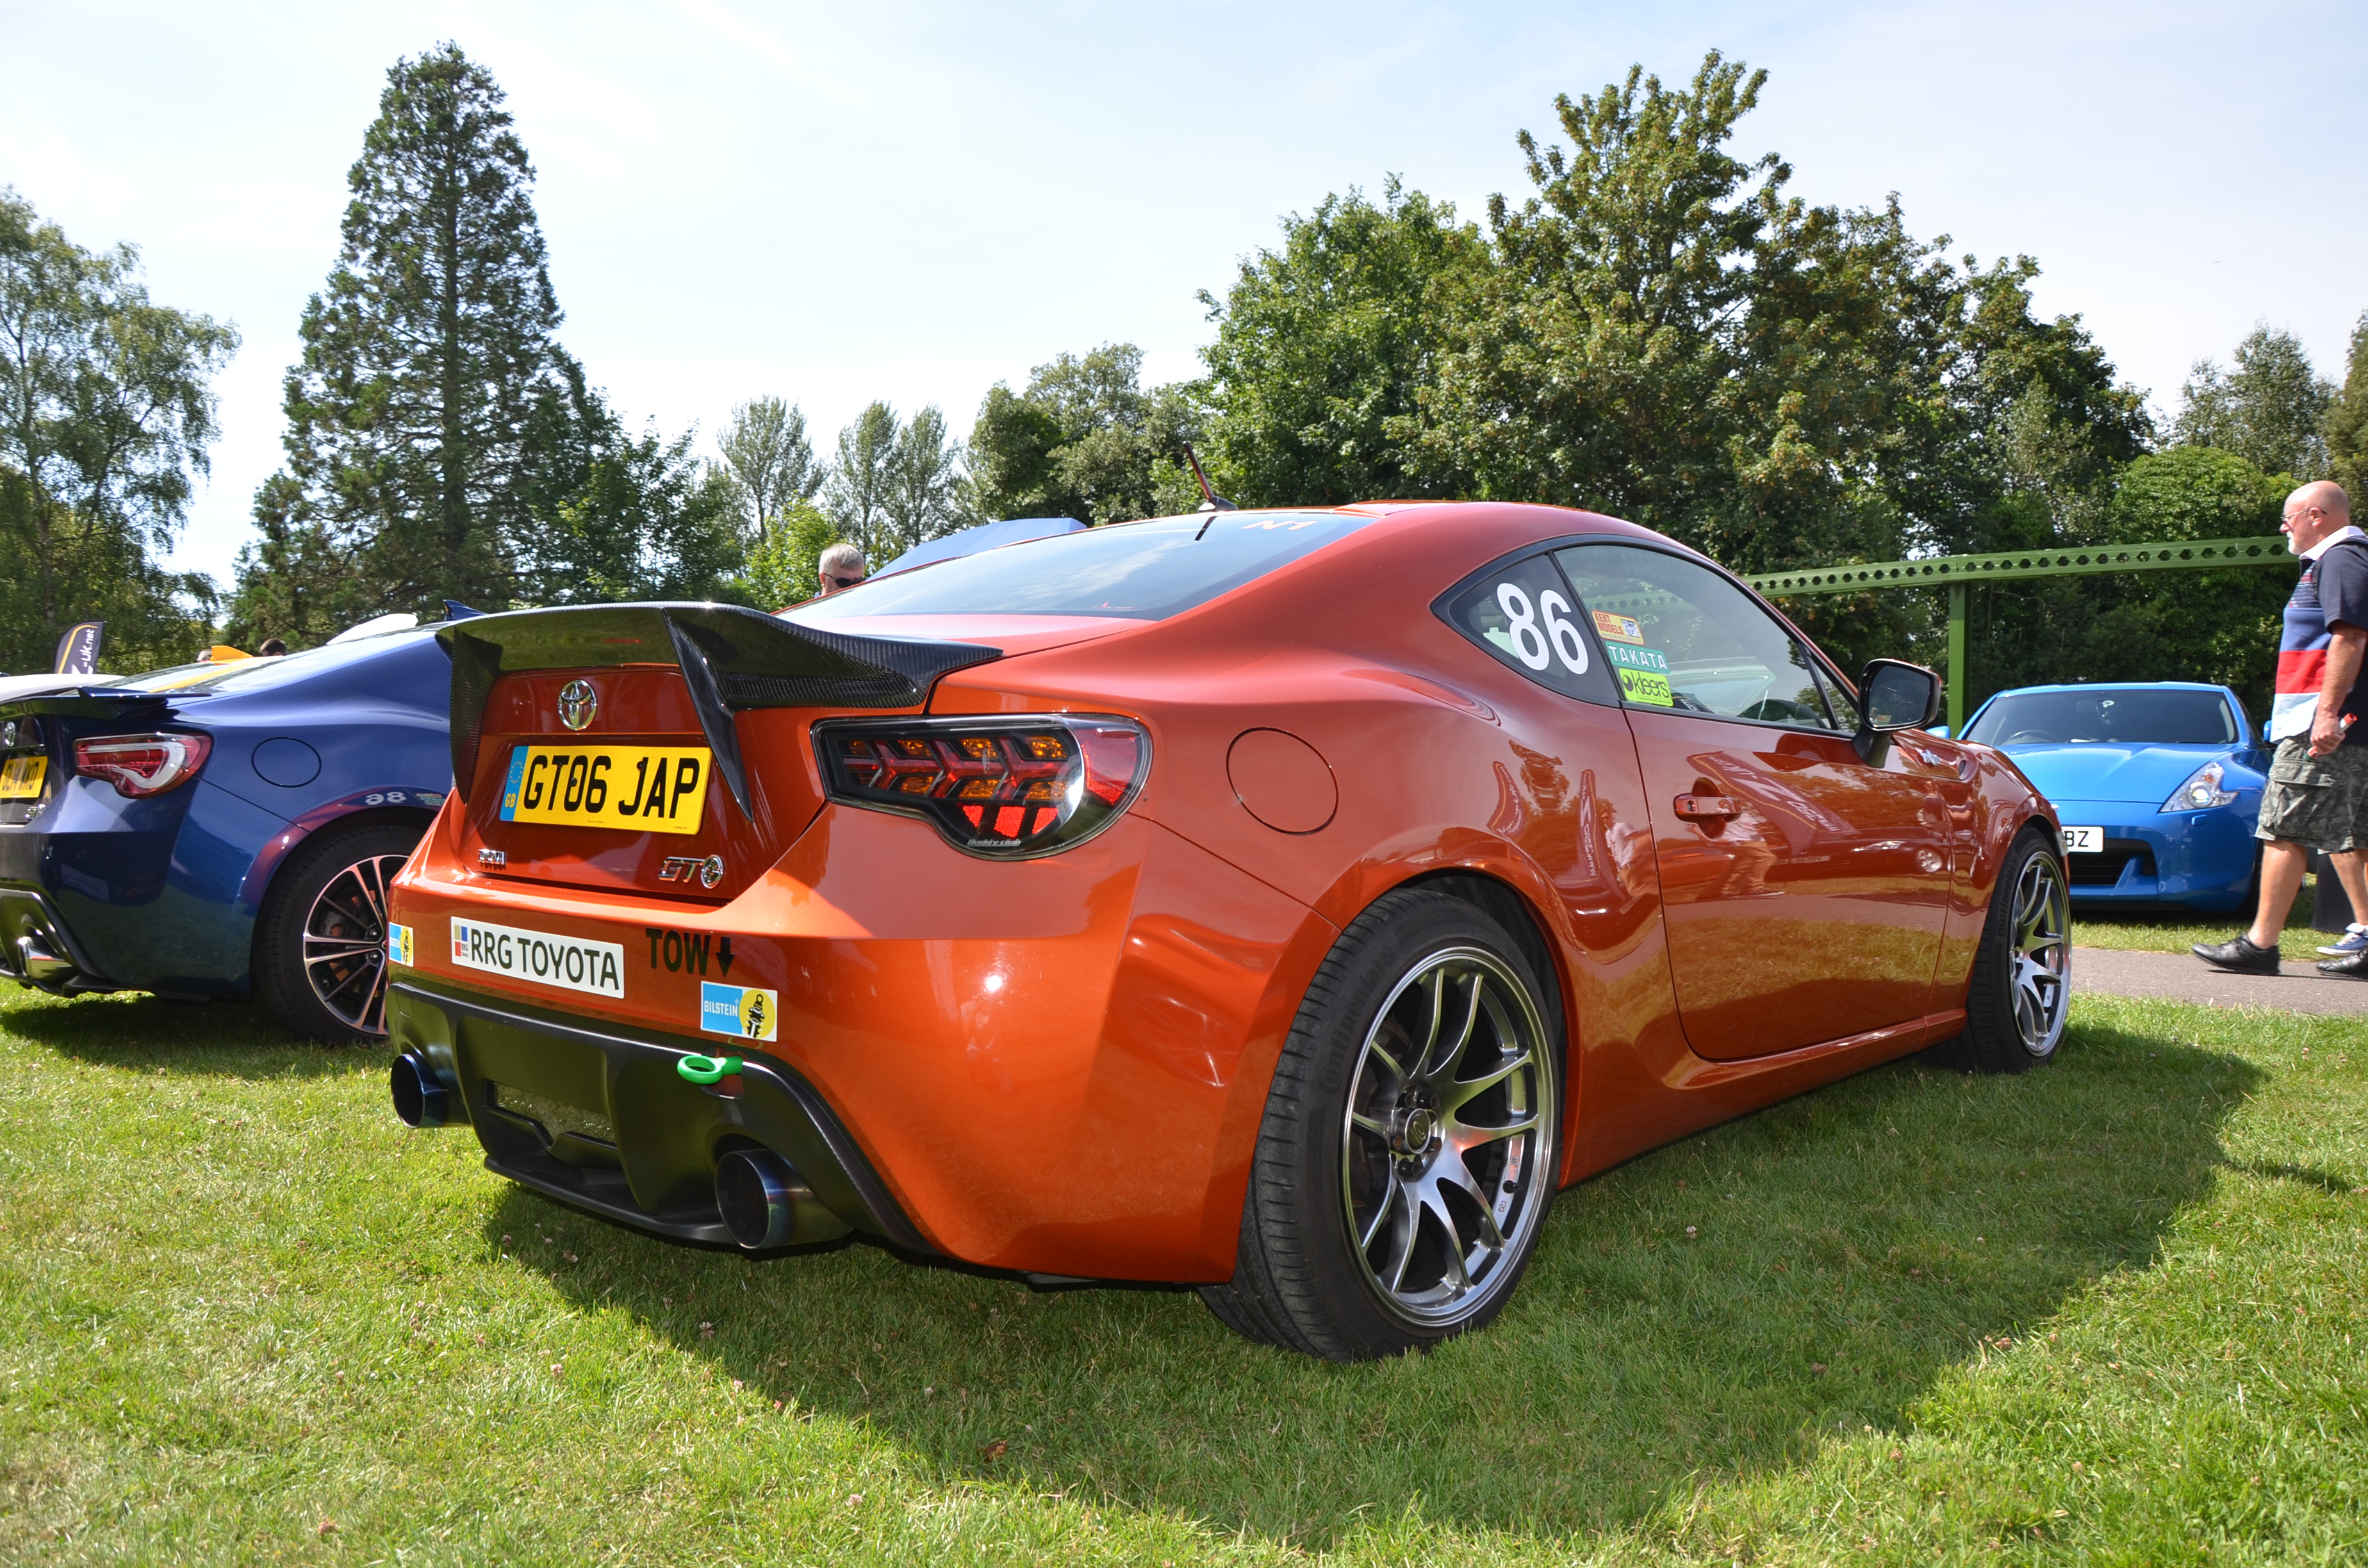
(765, 1203)
(420, 1098)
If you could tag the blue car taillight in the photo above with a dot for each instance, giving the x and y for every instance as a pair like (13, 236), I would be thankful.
(1008, 788)
(141, 766)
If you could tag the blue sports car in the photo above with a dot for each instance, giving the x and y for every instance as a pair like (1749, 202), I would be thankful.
(222, 831)
(2158, 786)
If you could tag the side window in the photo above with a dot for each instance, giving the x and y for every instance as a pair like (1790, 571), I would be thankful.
(1838, 700)
(1679, 635)
(1526, 615)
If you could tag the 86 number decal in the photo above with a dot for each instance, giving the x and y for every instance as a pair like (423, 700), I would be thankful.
(1528, 616)
(1529, 644)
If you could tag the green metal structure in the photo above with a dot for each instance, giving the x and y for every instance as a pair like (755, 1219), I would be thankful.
(1958, 572)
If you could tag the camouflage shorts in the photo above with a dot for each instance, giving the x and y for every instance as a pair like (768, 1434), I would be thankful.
(2316, 801)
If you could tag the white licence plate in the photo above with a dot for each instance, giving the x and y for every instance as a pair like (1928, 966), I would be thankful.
(568, 963)
(2084, 840)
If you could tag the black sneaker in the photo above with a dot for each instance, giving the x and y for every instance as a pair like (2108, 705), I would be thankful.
(2351, 966)
(2238, 953)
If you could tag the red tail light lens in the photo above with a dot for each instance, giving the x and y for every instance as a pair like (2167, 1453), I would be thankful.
(143, 765)
(1007, 788)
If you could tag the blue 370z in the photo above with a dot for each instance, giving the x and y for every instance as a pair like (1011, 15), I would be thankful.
(2157, 785)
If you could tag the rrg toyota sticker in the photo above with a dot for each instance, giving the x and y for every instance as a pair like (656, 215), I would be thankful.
(569, 963)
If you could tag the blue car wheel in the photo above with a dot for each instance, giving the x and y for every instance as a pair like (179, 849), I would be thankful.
(320, 949)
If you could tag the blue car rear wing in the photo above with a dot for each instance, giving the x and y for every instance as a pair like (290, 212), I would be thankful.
(88, 702)
(732, 659)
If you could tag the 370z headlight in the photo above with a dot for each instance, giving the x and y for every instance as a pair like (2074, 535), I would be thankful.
(2200, 791)
(1008, 788)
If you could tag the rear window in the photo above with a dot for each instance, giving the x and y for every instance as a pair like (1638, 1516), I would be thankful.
(254, 675)
(1144, 570)
(2122, 715)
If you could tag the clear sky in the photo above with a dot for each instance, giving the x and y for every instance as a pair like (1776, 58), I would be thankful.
(913, 201)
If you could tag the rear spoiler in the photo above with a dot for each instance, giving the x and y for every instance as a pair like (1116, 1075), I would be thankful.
(732, 659)
(85, 702)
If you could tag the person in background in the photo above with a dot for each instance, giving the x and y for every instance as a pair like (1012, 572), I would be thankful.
(841, 568)
(271, 648)
(2318, 791)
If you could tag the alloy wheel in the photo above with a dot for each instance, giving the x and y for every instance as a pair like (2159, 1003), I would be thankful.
(2041, 955)
(1443, 1150)
(344, 943)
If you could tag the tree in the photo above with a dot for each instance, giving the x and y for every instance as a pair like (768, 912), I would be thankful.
(428, 357)
(622, 516)
(2206, 626)
(2346, 424)
(770, 461)
(1666, 334)
(1012, 467)
(1083, 440)
(2270, 410)
(1321, 343)
(296, 585)
(784, 568)
(107, 408)
(924, 494)
(858, 494)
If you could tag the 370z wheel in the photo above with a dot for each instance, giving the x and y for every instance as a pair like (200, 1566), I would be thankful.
(1407, 1158)
(320, 949)
(2022, 971)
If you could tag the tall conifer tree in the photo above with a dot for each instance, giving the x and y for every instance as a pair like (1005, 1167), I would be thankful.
(412, 413)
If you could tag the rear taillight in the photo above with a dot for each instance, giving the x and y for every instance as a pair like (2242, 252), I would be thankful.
(1008, 788)
(141, 765)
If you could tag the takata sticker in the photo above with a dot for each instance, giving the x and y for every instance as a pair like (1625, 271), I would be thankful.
(1618, 628)
(1644, 675)
(739, 1010)
(399, 948)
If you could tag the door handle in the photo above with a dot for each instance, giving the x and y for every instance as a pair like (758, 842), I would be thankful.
(1698, 808)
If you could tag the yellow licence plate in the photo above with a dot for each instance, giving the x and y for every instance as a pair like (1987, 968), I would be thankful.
(636, 789)
(20, 778)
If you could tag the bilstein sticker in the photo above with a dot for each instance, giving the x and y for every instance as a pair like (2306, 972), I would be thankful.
(399, 948)
(567, 962)
(741, 1010)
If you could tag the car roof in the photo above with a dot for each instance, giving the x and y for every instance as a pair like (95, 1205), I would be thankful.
(2115, 685)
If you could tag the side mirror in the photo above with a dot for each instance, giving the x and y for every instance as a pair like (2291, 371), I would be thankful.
(1894, 695)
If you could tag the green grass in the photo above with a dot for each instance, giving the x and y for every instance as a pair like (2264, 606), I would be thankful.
(2174, 929)
(2105, 1313)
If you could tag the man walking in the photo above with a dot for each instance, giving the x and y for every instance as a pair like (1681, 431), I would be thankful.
(2318, 779)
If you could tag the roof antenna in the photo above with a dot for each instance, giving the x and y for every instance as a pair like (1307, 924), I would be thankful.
(1210, 501)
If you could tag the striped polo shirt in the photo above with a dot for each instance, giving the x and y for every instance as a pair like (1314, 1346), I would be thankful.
(2334, 588)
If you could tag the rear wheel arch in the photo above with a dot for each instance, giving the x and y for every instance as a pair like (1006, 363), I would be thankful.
(1510, 909)
(270, 863)
(287, 938)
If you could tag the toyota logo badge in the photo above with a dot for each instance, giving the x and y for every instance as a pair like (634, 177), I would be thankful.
(577, 703)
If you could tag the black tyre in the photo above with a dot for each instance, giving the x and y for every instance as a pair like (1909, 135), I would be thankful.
(1406, 1159)
(320, 947)
(2023, 972)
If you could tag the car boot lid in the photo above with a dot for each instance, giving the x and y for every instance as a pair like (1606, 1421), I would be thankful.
(732, 660)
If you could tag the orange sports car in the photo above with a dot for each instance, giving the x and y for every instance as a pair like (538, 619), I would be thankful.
(1282, 903)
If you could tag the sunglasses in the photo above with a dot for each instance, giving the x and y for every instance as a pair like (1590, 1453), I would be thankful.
(843, 582)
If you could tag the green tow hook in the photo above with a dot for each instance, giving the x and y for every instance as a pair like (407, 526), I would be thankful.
(707, 1069)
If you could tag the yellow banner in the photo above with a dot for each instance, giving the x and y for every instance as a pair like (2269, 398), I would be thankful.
(633, 789)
